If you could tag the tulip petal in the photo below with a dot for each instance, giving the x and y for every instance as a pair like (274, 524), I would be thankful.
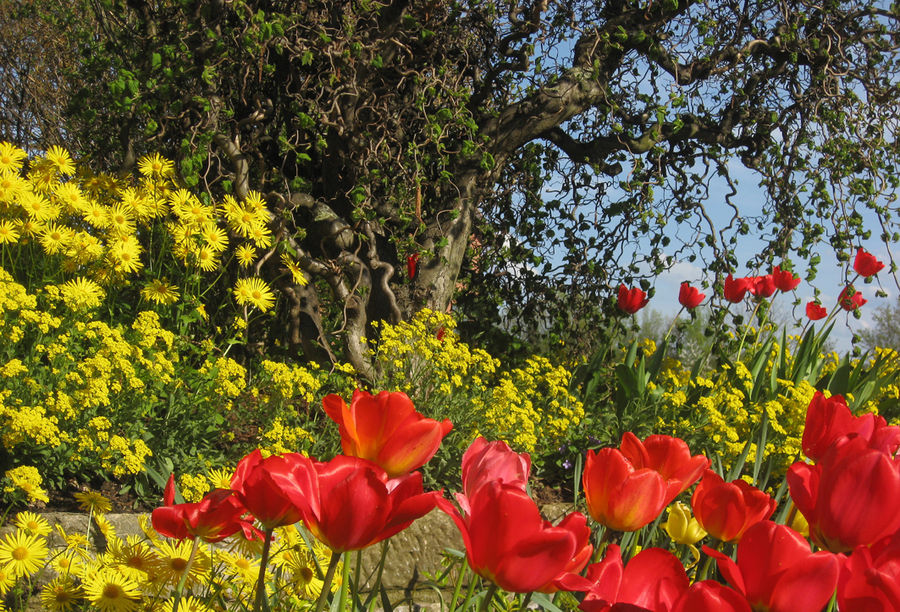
(806, 586)
(535, 561)
(654, 578)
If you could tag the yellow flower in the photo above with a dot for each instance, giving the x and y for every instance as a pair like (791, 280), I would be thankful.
(32, 523)
(22, 554)
(160, 292)
(111, 591)
(8, 233)
(254, 292)
(214, 237)
(61, 594)
(93, 501)
(26, 478)
(7, 580)
(155, 166)
(125, 256)
(82, 294)
(681, 526)
(296, 272)
(11, 157)
(245, 255)
(60, 159)
(54, 238)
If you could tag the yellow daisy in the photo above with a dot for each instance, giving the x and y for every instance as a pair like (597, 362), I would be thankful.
(8, 232)
(261, 236)
(37, 206)
(296, 272)
(173, 562)
(11, 185)
(82, 294)
(121, 219)
(160, 291)
(125, 256)
(33, 524)
(22, 554)
(206, 259)
(245, 255)
(192, 604)
(61, 594)
(93, 501)
(66, 562)
(11, 157)
(7, 580)
(60, 159)
(215, 237)
(254, 292)
(97, 215)
(155, 166)
(108, 590)
(219, 478)
(133, 555)
(71, 197)
(55, 238)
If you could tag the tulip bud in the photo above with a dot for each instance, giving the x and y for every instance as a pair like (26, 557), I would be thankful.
(681, 526)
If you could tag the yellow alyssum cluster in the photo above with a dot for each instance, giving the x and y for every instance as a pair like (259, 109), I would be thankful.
(716, 410)
(529, 407)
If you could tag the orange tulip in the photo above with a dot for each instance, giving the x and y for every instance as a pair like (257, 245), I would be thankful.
(386, 430)
(628, 488)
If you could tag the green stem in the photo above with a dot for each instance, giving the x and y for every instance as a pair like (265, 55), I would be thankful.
(326, 583)
(376, 586)
(345, 586)
(747, 329)
(463, 570)
(183, 580)
(526, 600)
(469, 592)
(672, 324)
(261, 603)
(488, 598)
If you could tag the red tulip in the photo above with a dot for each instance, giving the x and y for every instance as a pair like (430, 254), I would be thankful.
(618, 495)
(653, 580)
(354, 504)
(850, 497)
(851, 299)
(762, 286)
(828, 420)
(631, 300)
(668, 456)
(815, 311)
(727, 509)
(870, 578)
(735, 289)
(412, 264)
(710, 596)
(784, 279)
(689, 297)
(509, 543)
(485, 462)
(865, 264)
(275, 489)
(218, 515)
(776, 570)
(386, 430)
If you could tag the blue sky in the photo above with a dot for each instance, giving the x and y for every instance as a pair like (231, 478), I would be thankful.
(830, 279)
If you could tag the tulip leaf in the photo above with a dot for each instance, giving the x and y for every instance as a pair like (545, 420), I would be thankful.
(544, 602)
